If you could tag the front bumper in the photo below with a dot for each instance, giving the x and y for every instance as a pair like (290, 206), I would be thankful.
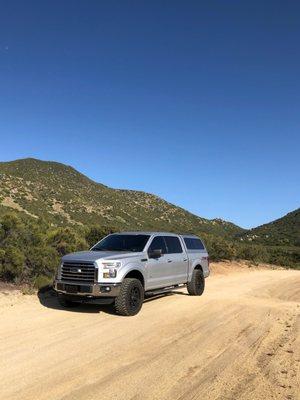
(95, 290)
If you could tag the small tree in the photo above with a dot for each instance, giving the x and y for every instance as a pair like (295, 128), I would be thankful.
(96, 233)
(12, 263)
(65, 240)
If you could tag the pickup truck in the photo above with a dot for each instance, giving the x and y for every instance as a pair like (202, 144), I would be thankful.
(125, 267)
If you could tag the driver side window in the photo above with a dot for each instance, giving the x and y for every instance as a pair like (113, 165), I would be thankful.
(158, 243)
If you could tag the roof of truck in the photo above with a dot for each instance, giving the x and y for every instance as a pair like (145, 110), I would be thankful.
(155, 233)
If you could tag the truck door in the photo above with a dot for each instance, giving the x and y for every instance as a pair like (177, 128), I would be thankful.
(158, 269)
(177, 260)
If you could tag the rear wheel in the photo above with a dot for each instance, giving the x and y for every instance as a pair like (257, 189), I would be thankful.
(65, 302)
(131, 297)
(196, 286)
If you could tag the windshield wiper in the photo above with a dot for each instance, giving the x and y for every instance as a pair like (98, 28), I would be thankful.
(96, 249)
(120, 249)
(116, 249)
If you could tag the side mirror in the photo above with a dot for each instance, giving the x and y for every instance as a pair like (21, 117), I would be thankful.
(155, 253)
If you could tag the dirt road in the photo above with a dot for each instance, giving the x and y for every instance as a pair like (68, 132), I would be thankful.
(240, 340)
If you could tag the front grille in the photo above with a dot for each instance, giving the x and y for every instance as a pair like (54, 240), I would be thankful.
(78, 272)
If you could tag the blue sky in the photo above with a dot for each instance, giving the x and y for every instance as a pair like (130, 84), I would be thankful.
(197, 102)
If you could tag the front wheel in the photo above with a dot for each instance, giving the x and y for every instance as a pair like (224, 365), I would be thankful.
(196, 286)
(131, 297)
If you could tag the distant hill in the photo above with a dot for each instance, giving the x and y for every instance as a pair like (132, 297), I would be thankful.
(63, 196)
(284, 231)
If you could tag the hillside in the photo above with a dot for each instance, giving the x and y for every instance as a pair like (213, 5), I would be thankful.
(284, 231)
(61, 195)
(57, 210)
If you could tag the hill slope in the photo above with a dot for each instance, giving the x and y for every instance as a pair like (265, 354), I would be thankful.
(282, 231)
(61, 195)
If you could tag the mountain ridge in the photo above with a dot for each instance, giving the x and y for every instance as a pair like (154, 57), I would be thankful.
(283, 231)
(61, 194)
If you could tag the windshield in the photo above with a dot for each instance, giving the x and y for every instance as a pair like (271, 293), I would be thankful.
(117, 242)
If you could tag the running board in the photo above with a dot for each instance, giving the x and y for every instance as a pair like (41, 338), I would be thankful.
(164, 290)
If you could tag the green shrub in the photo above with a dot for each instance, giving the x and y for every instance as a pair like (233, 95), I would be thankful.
(12, 264)
(253, 253)
(96, 233)
(42, 281)
(65, 240)
(220, 249)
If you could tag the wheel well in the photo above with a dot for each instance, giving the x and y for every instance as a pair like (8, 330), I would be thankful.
(137, 275)
(199, 267)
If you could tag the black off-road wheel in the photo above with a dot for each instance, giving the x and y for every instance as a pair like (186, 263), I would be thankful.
(197, 284)
(131, 297)
(65, 302)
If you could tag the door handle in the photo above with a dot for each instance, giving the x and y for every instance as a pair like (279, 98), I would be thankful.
(185, 259)
(169, 261)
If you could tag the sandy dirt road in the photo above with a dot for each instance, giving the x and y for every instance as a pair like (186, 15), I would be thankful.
(240, 340)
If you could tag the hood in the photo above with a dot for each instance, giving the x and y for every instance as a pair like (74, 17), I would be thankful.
(98, 255)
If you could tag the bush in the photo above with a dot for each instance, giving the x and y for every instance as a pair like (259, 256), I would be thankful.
(253, 253)
(220, 249)
(65, 240)
(30, 250)
(42, 281)
(95, 233)
(12, 264)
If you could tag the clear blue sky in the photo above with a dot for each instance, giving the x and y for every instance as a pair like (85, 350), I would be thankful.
(198, 102)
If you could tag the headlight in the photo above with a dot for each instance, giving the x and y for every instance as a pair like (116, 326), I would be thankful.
(110, 269)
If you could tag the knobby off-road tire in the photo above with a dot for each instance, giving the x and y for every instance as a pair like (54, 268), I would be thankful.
(65, 302)
(196, 286)
(131, 297)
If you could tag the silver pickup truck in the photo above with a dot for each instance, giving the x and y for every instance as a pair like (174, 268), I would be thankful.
(124, 267)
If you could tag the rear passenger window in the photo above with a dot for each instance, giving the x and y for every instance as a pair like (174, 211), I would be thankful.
(193, 244)
(173, 244)
(158, 243)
